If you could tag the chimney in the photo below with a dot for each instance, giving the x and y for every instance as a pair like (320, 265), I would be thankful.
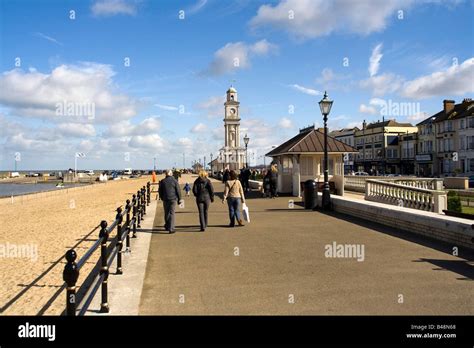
(364, 125)
(448, 106)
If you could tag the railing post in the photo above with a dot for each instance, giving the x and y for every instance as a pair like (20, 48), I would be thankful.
(440, 200)
(127, 222)
(135, 217)
(139, 209)
(119, 240)
(104, 234)
(144, 200)
(148, 193)
(70, 275)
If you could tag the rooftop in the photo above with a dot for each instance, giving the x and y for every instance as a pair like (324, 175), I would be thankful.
(311, 141)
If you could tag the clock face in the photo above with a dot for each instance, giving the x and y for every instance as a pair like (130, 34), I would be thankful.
(232, 111)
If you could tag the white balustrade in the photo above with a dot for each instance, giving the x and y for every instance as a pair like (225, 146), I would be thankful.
(406, 194)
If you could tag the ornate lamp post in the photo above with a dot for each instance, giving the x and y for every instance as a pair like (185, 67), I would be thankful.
(325, 105)
(246, 141)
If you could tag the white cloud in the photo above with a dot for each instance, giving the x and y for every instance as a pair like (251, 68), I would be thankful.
(456, 80)
(196, 7)
(74, 130)
(49, 38)
(113, 7)
(87, 85)
(151, 142)
(184, 144)
(199, 128)
(314, 18)
(148, 126)
(382, 84)
(367, 109)
(374, 60)
(213, 106)
(167, 107)
(305, 90)
(285, 123)
(327, 75)
(237, 55)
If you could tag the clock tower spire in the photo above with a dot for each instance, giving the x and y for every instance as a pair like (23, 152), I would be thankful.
(235, 154)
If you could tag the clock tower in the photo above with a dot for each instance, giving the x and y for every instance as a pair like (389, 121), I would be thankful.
(232, 154)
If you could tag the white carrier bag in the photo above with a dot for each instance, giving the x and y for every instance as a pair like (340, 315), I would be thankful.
(245, 212)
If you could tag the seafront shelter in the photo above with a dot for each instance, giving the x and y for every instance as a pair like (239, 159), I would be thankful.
(301, 158)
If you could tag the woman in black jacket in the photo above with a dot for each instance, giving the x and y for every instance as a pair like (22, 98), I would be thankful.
(204, 193)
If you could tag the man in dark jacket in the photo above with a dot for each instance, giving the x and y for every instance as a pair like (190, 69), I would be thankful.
(225, 176)
(204, 193)
(170, 194)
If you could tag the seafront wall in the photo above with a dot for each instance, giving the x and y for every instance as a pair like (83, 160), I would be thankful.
(456, 231)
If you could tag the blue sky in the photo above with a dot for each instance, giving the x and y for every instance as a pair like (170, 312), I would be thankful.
(169, 99)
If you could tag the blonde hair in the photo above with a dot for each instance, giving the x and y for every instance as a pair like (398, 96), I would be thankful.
(274, 168)
(203, 174)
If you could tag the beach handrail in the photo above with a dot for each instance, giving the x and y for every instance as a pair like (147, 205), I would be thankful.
(133, 214)
(119, 242)
(70, 275)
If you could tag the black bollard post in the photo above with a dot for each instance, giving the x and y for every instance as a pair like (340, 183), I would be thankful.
(144, 199)
(104, 234)
(135, 217)
(119, 219)
(139, 209)
(127, 223)
(70, 275)
(148, 193)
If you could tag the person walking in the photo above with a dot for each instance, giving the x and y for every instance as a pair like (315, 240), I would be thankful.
(274, 180)
(225, 176)
(187, 188)
(170, 194)
(204, 193)
(267, 186)
(234, 194)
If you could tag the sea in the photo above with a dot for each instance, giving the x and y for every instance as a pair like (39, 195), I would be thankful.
(7, 190)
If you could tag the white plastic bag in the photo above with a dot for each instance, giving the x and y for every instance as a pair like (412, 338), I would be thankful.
(245, 212)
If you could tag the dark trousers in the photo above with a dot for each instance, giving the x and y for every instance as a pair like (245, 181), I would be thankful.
(169, 208)
(234, 209)
(273, 186)
(203, 207)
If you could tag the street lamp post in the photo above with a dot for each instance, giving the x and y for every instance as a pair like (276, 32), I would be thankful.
(154, 164)
(325, 105)
(246, 141)
(211, 164)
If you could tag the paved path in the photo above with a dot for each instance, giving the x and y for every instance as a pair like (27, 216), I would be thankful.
(279, 258)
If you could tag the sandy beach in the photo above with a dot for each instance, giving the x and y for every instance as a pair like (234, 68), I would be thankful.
(44, 227)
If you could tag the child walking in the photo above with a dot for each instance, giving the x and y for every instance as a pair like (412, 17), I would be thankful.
(187, 188)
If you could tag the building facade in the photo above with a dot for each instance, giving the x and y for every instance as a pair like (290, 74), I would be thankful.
(426, 159)
(346, 135)
(455, 138)
(379, 148)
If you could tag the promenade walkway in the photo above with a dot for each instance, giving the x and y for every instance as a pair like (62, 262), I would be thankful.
(277, 265)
